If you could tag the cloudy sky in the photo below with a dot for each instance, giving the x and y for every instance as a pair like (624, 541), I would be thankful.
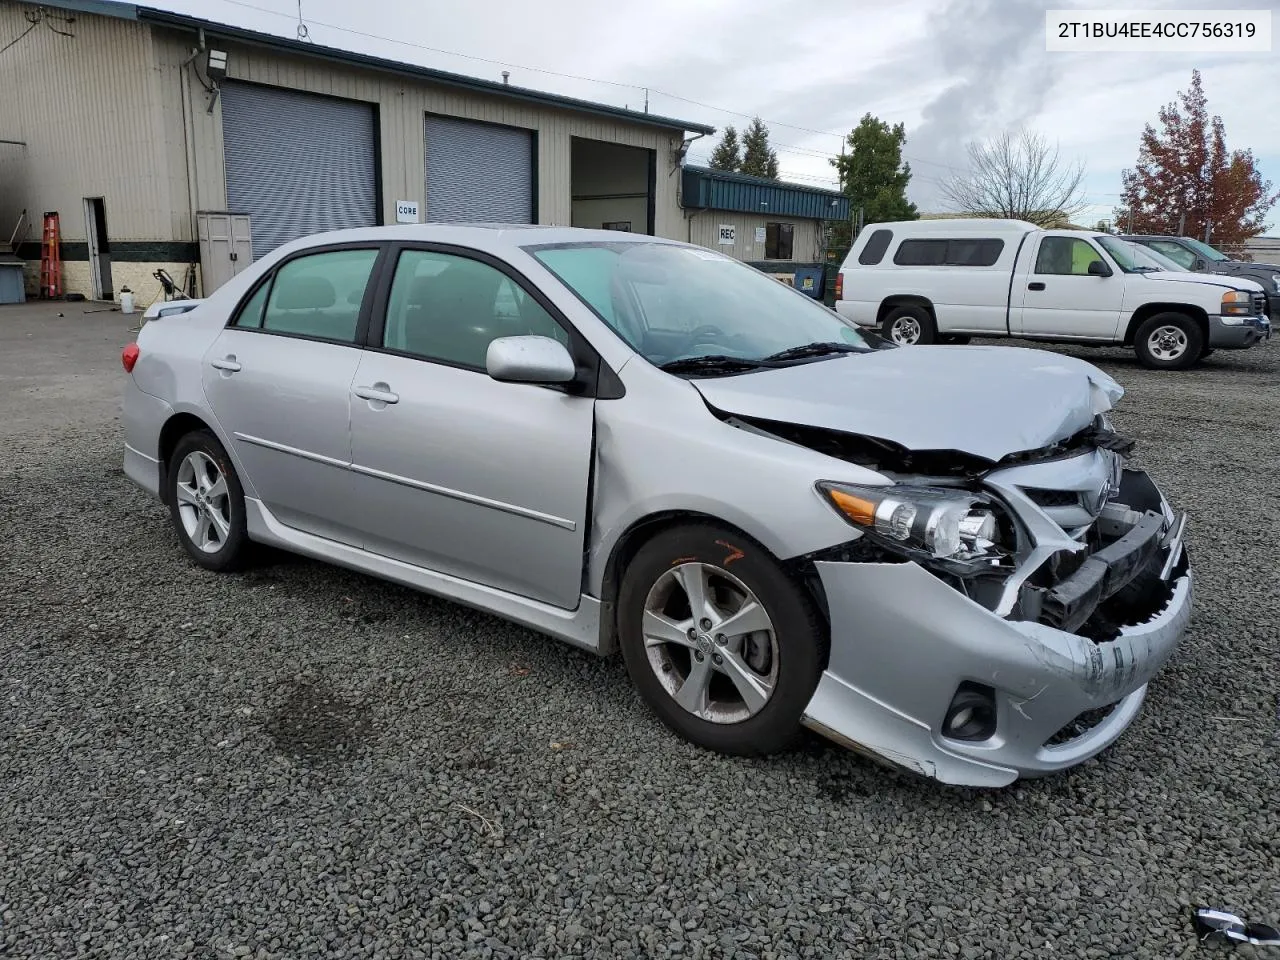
(951, 70)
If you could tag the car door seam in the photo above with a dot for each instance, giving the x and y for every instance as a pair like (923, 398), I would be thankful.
(472, 498)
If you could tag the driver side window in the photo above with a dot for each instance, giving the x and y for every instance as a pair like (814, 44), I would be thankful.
(449, 308)
(1065, 256)
(1175, 252)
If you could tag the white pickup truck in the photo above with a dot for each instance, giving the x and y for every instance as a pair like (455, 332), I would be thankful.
(944, 281)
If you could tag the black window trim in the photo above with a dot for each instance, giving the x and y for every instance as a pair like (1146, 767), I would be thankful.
(778, 241)
(594, 377)
(268, 280)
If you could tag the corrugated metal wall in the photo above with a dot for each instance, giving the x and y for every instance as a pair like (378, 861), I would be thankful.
(704, 229)
(403, 104)
(89, 109)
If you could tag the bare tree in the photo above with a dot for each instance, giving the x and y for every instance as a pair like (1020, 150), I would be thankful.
(1018, 177)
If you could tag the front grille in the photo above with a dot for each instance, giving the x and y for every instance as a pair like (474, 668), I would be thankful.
(1081, 725)
(1259, 304)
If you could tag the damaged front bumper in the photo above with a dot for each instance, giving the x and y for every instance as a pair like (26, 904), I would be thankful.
(905, 645)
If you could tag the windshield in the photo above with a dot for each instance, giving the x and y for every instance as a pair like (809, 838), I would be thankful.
(1133, 257)
(674, 303)
(1204, 250)
(1168, 264)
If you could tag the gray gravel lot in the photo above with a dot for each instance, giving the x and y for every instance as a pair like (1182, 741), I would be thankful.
(300, 762)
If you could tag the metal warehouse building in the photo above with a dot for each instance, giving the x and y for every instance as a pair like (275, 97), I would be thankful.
(167, 141)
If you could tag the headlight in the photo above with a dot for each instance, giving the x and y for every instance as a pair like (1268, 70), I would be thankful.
(1275, 279)
(941, 523)
(1236, 303)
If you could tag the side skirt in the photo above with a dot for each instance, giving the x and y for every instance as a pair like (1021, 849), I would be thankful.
(580, 627)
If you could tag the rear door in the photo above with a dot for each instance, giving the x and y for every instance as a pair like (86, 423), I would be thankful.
(279, 381)
(1056, 296)
(455, 471)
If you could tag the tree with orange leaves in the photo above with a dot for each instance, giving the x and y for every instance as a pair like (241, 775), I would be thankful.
(1187, 183)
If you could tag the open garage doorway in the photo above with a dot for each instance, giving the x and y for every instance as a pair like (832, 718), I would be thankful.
(613, 186)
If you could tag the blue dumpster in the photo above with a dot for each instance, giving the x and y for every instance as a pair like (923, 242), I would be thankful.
(809, 281)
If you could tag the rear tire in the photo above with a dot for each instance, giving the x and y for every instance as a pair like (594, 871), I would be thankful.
(909, 325)
(206, 503)
(740, 684)
(1169, 341)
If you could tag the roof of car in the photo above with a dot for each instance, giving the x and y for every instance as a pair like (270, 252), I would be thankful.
(485, 234)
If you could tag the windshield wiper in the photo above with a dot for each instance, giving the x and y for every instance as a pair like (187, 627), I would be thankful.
(712, 363)
(807, 350)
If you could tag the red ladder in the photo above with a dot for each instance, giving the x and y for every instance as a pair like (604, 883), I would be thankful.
(51, 259)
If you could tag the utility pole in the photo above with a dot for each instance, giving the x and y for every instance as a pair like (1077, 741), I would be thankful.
(1182, 225)
(1208, 229)
(646, 99)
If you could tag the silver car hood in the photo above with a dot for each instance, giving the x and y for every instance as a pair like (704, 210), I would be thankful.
(985, 401)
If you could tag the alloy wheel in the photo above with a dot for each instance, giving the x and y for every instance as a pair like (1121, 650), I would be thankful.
(204, 502)
(710, 642)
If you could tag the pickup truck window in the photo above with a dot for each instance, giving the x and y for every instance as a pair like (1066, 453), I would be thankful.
(877, 244)
(1065, 256)
(1174, 251)
(975, 252)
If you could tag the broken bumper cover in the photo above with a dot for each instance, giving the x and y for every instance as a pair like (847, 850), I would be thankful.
(1237, 333)
(903, 642)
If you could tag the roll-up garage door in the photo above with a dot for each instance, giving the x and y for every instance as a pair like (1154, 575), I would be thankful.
(478, 172)
(298, 163)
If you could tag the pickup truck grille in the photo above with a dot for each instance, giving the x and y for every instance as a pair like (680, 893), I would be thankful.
(1259, 304)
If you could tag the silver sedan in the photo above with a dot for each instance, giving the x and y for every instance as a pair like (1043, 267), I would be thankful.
(937, 556)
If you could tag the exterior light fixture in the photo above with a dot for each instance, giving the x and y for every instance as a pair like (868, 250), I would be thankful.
(217, 65)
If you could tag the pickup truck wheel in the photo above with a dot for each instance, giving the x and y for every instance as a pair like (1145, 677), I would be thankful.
(1169, 341)
(907, 326)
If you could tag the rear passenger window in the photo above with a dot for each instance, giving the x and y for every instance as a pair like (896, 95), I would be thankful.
(966, 252)
(876, 246)
(250, 315)
(320, 295)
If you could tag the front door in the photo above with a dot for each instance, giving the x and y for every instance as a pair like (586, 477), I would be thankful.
(455, 471)
(1059, 297)
(279, 381)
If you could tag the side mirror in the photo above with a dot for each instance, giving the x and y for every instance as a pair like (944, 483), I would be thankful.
(1200, 265)
(1099, 269)
(529, 360)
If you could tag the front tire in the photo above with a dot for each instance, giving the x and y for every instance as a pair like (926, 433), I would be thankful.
(1169, 341)
(909, 325)
(206, 503)
(721, 643)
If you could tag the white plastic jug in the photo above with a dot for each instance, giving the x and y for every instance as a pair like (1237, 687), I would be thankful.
(126, 300)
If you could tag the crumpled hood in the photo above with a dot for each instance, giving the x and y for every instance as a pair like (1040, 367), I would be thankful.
(985, 401)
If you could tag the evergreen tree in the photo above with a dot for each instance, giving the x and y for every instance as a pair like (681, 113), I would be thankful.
(758, 158)
(728, 152)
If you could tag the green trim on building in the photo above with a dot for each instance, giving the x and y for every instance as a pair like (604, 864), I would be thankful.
(122, 251)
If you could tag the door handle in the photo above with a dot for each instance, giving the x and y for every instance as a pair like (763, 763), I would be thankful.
(227, 363)
(378, 393)
(1036, 285)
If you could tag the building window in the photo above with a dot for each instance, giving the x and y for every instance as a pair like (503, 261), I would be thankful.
(778, 241)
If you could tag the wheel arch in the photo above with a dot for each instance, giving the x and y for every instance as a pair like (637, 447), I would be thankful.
(644, 529)
(1149, 310)
(181, 423)
(891, 303)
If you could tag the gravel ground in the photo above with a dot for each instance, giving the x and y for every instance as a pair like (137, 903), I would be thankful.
(301, 762)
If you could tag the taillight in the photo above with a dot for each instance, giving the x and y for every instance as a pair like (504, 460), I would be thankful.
(839, 286)
(129, 356)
